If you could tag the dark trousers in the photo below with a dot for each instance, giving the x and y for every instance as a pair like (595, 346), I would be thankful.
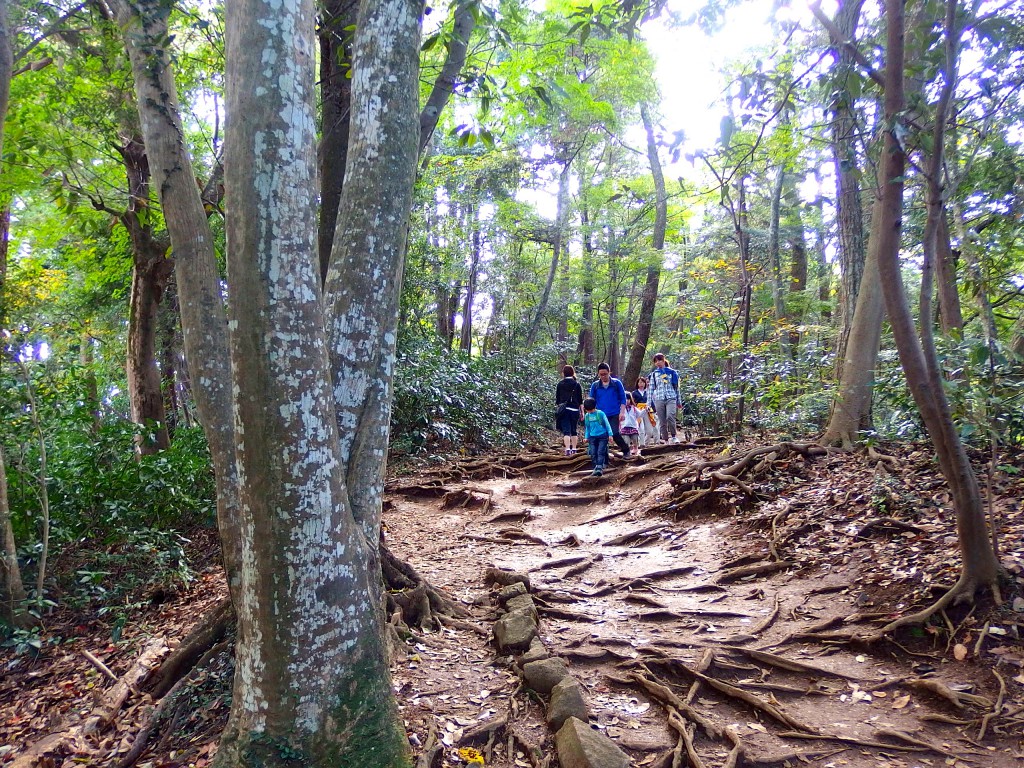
(613, 419)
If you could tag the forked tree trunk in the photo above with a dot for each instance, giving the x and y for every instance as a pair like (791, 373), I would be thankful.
(312, 682)
(950, 314)
(645, 322)
(920, 363)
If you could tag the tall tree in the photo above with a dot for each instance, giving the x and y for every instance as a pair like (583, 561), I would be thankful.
(12, 591)
(312, 679)
(144, 27)
(917, 355)
(650, 294)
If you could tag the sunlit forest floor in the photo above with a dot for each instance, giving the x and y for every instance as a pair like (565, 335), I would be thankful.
(728, 585)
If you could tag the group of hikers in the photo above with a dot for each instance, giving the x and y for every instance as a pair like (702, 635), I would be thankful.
(632, 419)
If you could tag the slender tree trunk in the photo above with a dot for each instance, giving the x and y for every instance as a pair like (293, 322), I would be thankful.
(466, 337)
(200, 303)
(743, 241)
(645, 323)
(950, 314)
(12, 590)
(463, 23)
(545, 296)
(920, 363)
(775, 259)
(585, 350)
(822, 269)
(851, 411)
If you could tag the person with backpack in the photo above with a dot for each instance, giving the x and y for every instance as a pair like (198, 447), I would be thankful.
(610, 396)
(568, 401)
(597, 429)
(665, 394)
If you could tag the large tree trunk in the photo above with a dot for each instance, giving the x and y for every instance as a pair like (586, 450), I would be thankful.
(12, 591)
(920, 363)
(312, 678)
(201, 306)
(650, 296)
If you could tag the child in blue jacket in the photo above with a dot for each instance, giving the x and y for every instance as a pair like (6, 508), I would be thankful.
(598, 430)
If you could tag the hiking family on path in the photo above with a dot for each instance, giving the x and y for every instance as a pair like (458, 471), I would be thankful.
(610, 412)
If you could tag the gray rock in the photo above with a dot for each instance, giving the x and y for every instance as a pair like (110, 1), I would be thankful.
(580, 746)
(514, 631)
(512, 590)
(544, 675)
(567, 701)
(536, 653)
(523, 604)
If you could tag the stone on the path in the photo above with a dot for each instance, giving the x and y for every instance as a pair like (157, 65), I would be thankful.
(512, 590)
(523, 604)
(536, 653)
(567, 701)
(542, 676)
(514, 631)
(580, 746)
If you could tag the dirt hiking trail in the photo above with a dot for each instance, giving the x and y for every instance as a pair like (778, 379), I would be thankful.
(711, 602)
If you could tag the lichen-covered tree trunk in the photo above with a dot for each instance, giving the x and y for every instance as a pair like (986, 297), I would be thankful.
(645, 322)
(311, 683)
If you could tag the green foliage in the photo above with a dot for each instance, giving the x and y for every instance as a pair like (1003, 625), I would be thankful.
(445, 401)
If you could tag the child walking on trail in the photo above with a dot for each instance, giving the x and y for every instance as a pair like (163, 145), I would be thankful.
(630, 427)
(597, 431)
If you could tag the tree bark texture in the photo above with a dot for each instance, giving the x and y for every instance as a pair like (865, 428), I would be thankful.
(200, 304)
(980, 567)
(645, 322)
(850, 211)
(851, 411)
(311, 682)
(337, 20)
(151, 268)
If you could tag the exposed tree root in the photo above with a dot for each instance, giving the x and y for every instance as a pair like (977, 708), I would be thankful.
(885, 524)
(961, 592)
(209, 631)
(413, 595)
(752, 570)
(167, 708)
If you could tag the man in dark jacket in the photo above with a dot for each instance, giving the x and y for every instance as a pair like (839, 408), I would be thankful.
(611, 398)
